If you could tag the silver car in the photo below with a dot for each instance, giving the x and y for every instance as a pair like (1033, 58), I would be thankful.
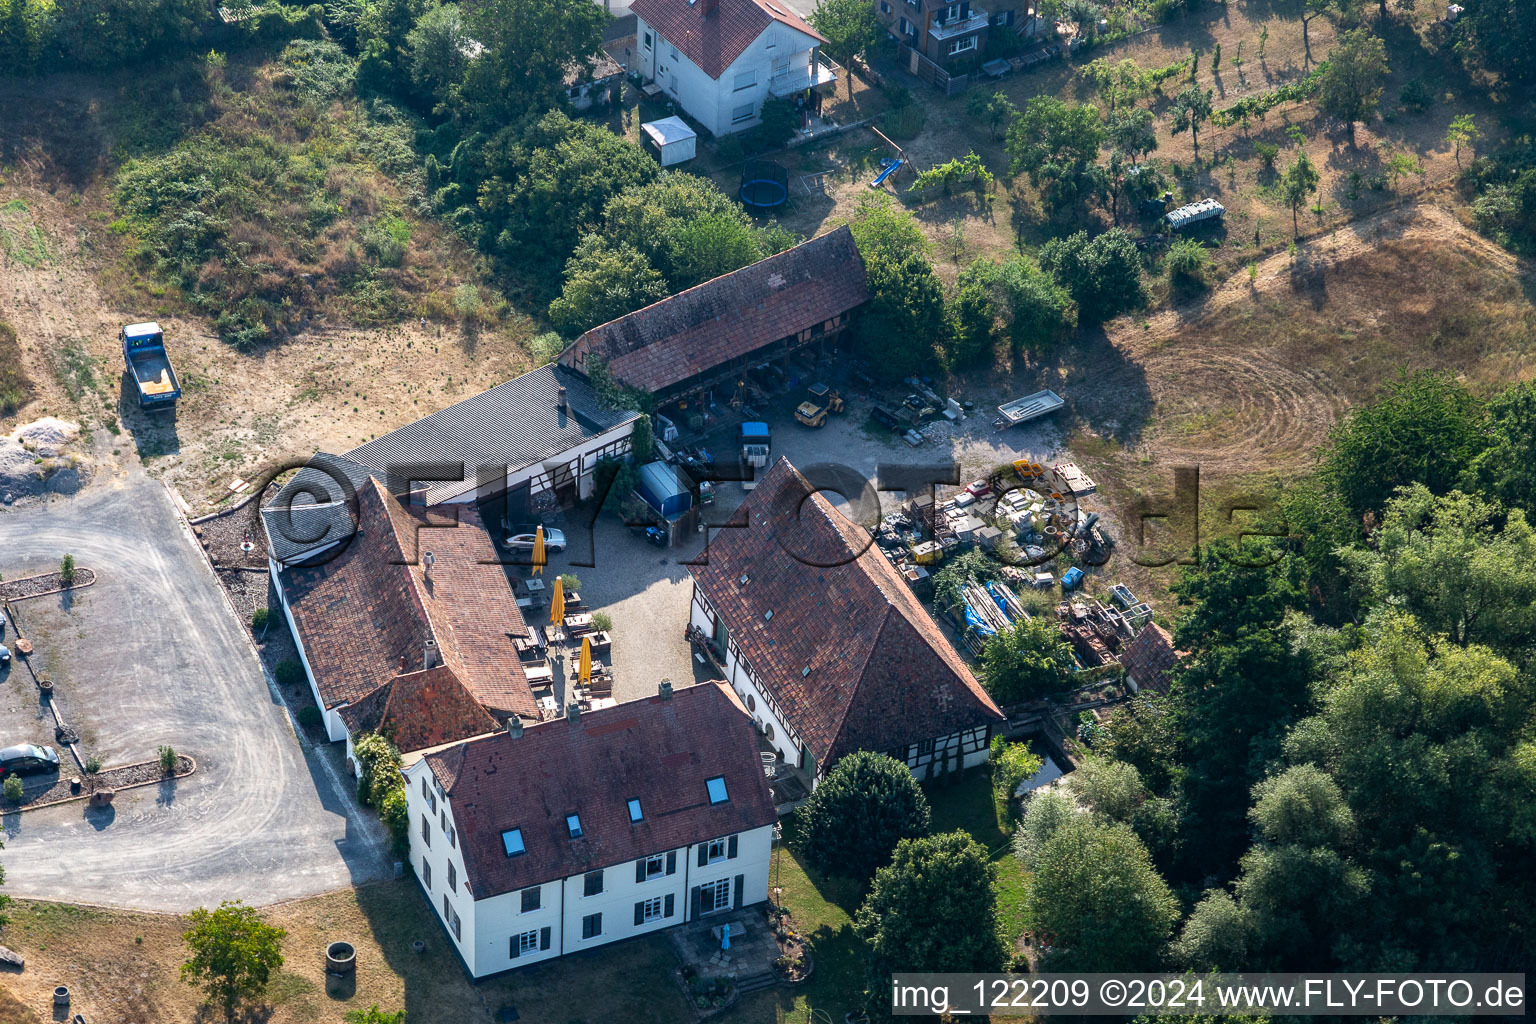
(554, 541)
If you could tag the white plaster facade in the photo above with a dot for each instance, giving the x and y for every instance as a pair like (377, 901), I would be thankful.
(780, 62)
(631, 898)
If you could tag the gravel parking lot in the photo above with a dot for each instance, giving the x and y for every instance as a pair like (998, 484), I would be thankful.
(151, 655)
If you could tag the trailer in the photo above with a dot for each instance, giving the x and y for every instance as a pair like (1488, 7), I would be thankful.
(1195, 213)
(149, 366)
(1041, 403)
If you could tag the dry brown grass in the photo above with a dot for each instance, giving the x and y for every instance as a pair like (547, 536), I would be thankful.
(1246, 383)
(123, 967)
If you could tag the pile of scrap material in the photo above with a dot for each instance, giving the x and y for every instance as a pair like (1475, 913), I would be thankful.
(1071, 480)
(984, 610)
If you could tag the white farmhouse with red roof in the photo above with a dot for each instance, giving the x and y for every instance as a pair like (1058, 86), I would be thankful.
(720, 59)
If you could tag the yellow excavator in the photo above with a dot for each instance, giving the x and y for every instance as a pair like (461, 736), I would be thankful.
(823, 400)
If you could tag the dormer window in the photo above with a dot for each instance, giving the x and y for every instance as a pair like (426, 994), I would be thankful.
(573, 823)
(716, 787)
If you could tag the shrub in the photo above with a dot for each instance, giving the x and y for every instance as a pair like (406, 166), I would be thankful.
(1012, 765)
(167, 759)
(288, 672)
(570, 581)
(904, 122)
(259, 619)
(1103, 273)
(1188, 263)
(378, 764)
(396, 817)
(867, 803)
(776, 125)
(546, 347)
(13, 788)
(602, 621)
(92, 765)
(67, 570)
(1266, 152)
(385, 240)
(1416, 96)
(310, 716)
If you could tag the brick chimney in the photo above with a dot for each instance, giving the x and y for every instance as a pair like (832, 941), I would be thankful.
(665, 689)
(573, 712)
(515, 727)
(430, 658)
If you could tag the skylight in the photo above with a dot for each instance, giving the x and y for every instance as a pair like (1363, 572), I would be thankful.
(635, 814)
(512, 842)
(573, 822)
(717, 793)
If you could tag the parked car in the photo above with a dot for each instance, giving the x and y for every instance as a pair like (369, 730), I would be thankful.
(979, 489)
(554, 541)
(5, 655)
(26, 758)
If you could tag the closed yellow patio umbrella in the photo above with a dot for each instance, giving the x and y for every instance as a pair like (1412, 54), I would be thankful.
(539, 555)
(557, 604)
(584, 669)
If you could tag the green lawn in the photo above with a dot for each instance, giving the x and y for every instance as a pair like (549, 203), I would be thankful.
(824, 908)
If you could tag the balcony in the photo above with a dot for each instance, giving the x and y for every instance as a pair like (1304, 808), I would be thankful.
(820, 72)
(960, 26)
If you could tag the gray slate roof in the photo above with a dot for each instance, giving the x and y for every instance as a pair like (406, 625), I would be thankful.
(516, 424)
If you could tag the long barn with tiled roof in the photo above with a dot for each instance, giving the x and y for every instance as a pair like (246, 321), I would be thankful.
(826, 645)
(702, 338)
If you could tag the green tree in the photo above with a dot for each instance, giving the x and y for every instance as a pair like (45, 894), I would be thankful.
(689, 229)
(1133, 132)
(1216, 935)
(1309, 10)
(1045, 811)
(1102, 274)
(437, 51)
(604, 281)
(1462, 132)
(1030, 659)
(528, 45)
(231, 953)
(1118, 84)
(1426, 428)
(5, 900)
(973, 317)
(1506, 468)
(931, 909)
(1300, 180)
(1056, 144)
(382, 29)
(1400, 164)
(1500, 38)
(378, 768)
(1114, 792)
(905, 315)
(994, 109)
(849, 28)
(1190, 109)
(1349, 86)
(1462, 566)
(1096, 901)
(865, 805)
(1012, 764)
(103, 34)
(67, 570)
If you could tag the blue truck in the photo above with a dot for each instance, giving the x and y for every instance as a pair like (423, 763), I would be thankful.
(150, 367)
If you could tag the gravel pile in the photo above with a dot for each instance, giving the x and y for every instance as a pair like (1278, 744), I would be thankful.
(37, 458)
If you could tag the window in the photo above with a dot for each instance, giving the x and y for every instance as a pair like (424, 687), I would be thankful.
(426, 831)
(647, 40)
(885, 8)
(715, 850)
(926, 746)
(648, 910)
(453, 878)
(453, 833)
(961, 45)
(655, 866)
(741, 113)
(1005, 18)
(426, 794)
(592, 885)
(751, 703)
(746, 80)
(426, 873)
(531, 899)
(451, 918)
(524, 943)
(635, 813)
(715, 896)
(716, 787)
(780, 69)
(512, 841)
(573, 823)
(952, 12)
(592, 926)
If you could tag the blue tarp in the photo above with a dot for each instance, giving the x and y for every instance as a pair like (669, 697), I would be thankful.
(977, 623)
(997, 599)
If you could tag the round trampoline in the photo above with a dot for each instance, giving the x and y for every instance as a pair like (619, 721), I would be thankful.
(764, 184)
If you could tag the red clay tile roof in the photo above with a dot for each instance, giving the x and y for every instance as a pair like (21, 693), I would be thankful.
(882, 675)
(419, 710)
(730, 316)
(1150, 659)
(659, 751)
(713, 33)
(364, 616)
